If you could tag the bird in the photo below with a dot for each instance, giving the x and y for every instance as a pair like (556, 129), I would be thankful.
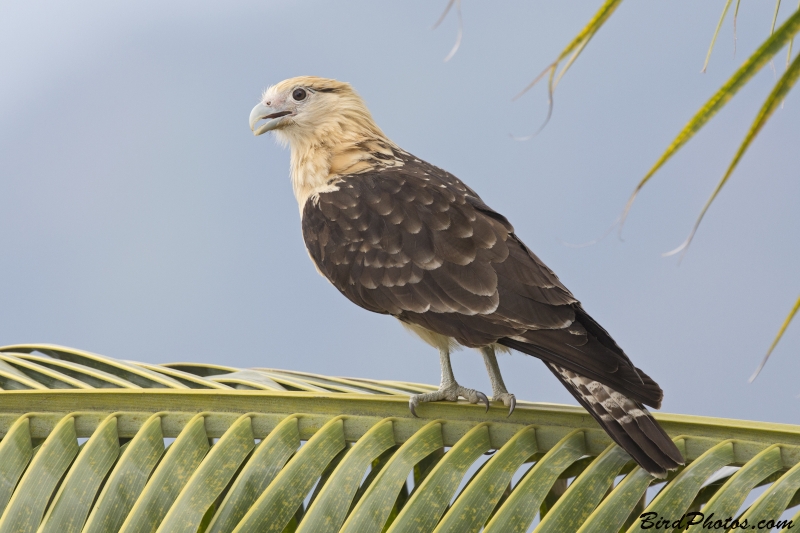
(399, 236)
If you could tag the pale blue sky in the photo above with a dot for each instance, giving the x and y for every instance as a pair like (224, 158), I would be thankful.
(142, 220)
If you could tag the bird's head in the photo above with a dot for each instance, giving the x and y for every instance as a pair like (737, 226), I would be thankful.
(308, 111)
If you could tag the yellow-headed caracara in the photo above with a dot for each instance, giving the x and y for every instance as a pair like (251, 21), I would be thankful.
(401, 237)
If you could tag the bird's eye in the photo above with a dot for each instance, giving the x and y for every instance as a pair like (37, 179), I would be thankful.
(299, 94)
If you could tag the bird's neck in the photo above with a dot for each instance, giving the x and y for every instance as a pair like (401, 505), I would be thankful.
(319, 164)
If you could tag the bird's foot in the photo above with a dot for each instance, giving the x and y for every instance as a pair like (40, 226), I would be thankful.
(508, 399)
(450, 394)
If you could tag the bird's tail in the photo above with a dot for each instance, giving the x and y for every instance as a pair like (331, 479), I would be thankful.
(626, 421)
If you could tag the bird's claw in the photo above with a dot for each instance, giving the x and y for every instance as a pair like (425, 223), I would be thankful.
(508, 399)
(412, 406)
(482, 397)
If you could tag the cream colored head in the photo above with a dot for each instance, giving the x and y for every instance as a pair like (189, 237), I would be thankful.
(308, 110)
(329, 129)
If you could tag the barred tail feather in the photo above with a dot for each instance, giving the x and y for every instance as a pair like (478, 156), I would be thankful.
(626, 421)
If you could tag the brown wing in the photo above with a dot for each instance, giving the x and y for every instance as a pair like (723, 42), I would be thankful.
(416, 239)
(416, 243)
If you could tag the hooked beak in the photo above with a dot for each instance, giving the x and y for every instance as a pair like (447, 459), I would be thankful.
(273, 118)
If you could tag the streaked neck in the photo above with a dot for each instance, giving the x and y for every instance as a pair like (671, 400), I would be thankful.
(318, 165)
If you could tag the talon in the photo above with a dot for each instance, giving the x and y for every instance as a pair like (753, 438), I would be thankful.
(513, 405)
(482, 397)
(411, 408)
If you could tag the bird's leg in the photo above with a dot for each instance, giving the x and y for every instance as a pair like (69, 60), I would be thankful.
(499, 392)
(449, 389)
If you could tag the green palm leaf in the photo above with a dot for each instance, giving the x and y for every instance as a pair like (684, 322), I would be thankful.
(777, 338)
(758, 59)
(204, 459)
(572, 50)
(782, 87)
(791, 43)
(716, 31)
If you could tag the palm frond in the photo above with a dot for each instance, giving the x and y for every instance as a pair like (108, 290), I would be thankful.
(735, 18)
(573, 50)
(777, 339)
(775, 16)
(716, 32)
(758, 59)
(189, 455)
(460, 33)
(791, 43)
(779, 92)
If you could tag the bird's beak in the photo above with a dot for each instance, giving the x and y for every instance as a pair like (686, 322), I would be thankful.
(274, 118)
